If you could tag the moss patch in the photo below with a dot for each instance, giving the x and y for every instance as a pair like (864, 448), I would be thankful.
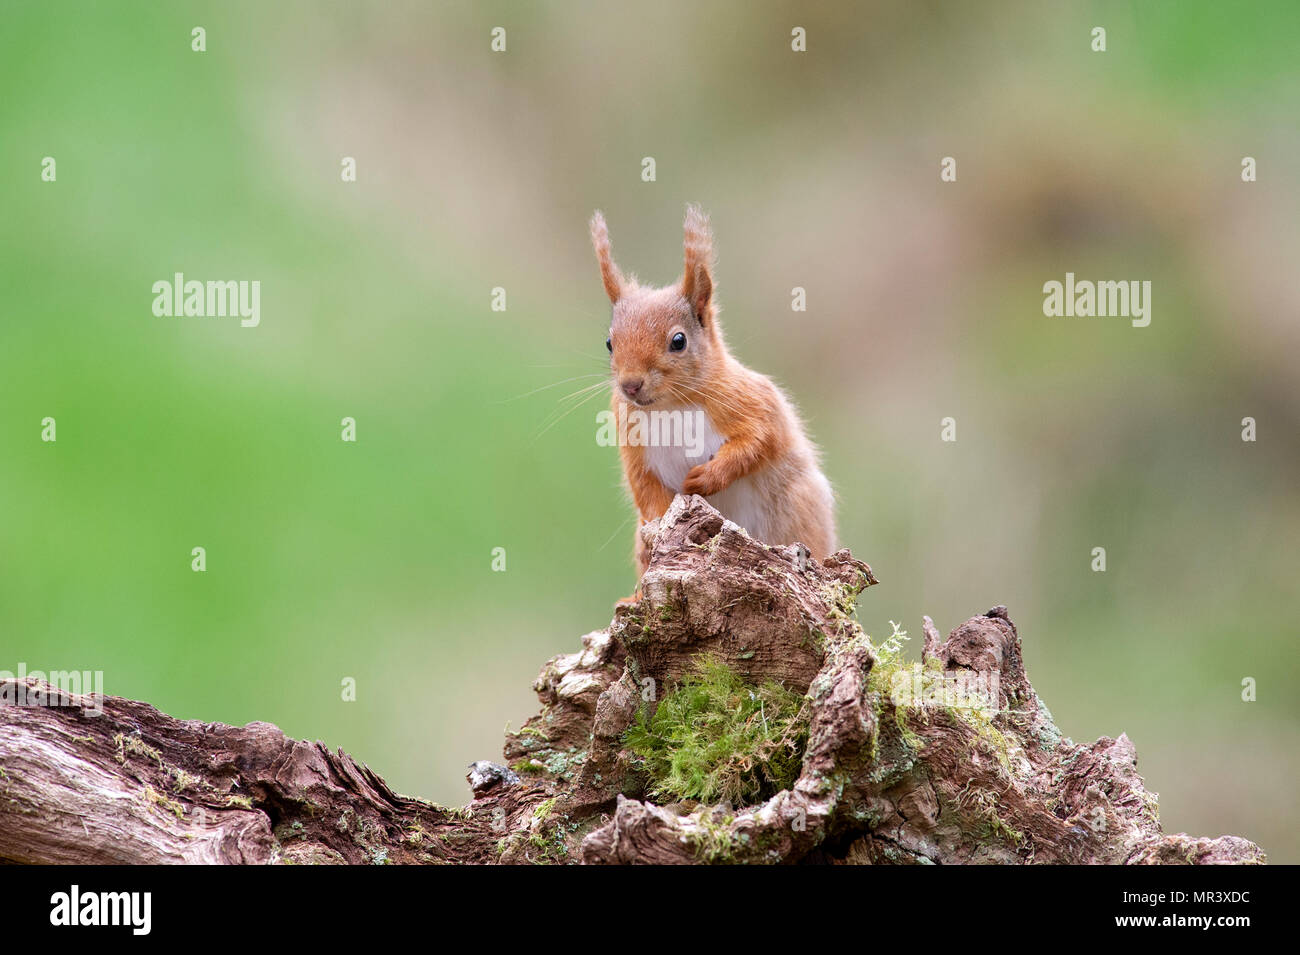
(155, 798)
(134, 746)
(717, 738)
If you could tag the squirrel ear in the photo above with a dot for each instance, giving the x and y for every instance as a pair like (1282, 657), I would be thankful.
(609, 273)
(697, 281)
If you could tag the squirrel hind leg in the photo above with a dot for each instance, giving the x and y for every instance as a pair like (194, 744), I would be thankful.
(641, 551)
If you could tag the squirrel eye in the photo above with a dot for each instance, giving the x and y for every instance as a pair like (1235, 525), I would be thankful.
(610, 345)
(678, 342)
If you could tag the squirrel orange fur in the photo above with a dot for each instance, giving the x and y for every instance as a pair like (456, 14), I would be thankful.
(755, 463)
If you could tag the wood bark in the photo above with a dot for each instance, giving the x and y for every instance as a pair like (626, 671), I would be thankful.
(894, 770)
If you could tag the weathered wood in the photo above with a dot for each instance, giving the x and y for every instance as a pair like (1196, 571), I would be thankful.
(899, 767)
(134, 785)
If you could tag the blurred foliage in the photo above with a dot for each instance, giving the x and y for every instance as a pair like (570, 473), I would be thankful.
(372, 561)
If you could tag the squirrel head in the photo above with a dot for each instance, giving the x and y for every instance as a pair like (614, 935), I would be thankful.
(664, 343)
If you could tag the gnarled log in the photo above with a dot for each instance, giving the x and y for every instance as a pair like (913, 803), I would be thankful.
(951, 760)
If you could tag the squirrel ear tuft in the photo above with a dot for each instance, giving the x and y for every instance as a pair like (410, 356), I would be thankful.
(609, 273)
(697, 280)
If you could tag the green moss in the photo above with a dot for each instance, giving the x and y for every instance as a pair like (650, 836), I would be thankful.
(551, 845)
(992, 737)
(980, 808)
(287, 832)
(713, 842)
(155, 798)
(717, 737)
(135, 746)
(181, 780)
(888, 661)
(841, 600)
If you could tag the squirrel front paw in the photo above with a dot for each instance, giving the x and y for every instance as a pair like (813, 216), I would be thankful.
(702, 480)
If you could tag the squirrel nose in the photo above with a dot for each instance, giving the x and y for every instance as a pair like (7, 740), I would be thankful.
(632, 388)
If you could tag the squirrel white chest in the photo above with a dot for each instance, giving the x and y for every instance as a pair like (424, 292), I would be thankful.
(694, 441)
(679, 441)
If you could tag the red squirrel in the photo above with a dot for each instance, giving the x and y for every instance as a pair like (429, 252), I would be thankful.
(755, 463)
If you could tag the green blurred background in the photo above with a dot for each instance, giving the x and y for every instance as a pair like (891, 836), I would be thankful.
(372, 560)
